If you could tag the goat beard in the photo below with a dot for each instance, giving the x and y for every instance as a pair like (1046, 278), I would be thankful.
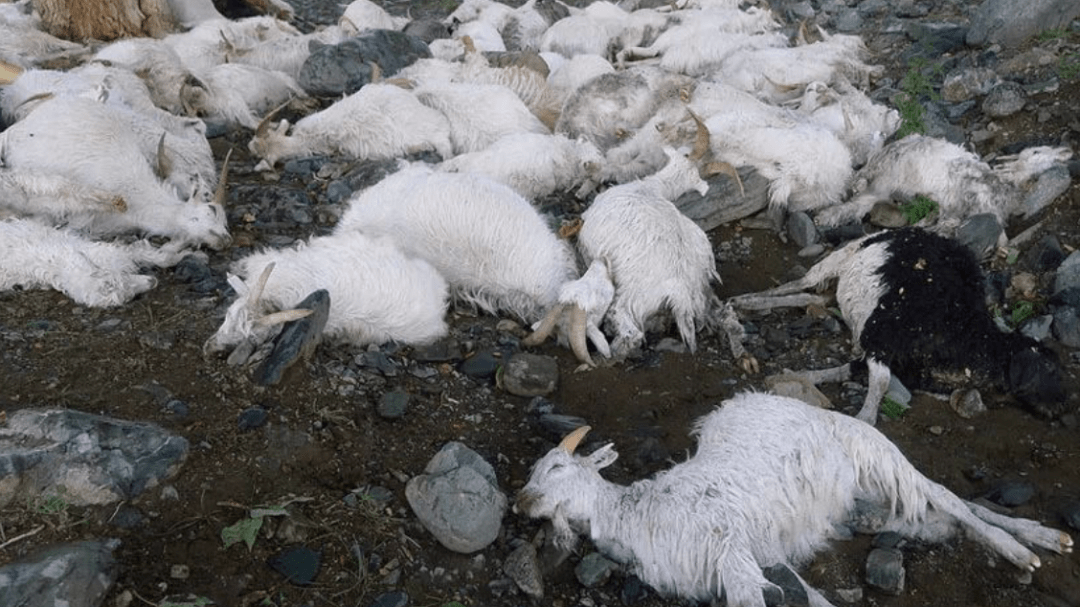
(565, 538)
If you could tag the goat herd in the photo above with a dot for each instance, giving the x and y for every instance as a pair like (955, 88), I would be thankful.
(627, 110)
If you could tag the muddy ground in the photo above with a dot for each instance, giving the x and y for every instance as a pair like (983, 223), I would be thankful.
(324, 440)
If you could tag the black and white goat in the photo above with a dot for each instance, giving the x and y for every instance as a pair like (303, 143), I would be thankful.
(772, 481)
(915, 304)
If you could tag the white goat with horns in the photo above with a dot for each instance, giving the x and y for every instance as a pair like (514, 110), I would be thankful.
(751, 498)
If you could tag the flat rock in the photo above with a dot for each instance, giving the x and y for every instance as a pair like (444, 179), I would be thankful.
(78, 574)
(83, 458)
(298, 339)
(1011, 22)
(528, 374)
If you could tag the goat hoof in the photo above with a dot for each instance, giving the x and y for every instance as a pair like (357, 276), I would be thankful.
(749, 364)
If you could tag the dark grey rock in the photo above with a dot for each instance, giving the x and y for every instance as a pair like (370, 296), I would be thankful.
(378, 360)
(801, 229)
(481, 365)
(632, 590)
(1011, 22)
(887, 215)
(528, 374)
(967, 83)
(341, 69)
(393, 404)
(1066, 326)
(1070, 514)
(1052, 183)
(252, 418)
(439, 352)
(427, 30)
(885, 570)
(523, 566)
(980, 233)
(126, 517)
(83, 458)
(457, 499)
(1005, 99)
(1045, 255)
(298, 339)
(299, 564)
(594, 570)
(78, 574)
(723, 202)
(848, 21)
(195, 272)
(1011, 493)
(1068, 274)
(1037, 327)
(792, 589)
(887, 539)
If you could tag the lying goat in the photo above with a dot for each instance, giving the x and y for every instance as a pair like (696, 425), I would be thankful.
(377, 294)
(914, 303)
(771, 482)
(961, 183)
(97, 274)
(494, 249)
(377, 122)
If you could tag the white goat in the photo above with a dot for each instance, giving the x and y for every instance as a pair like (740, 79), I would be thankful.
(53, 197)
(914, 302)
(98, 274)
(779, 74)
(362, 15)
(376, 122)
(491, 245)
(849, 113)
(238, 94)
(534, 165)
(752, 498)
(95, 145)
(961, 183)
(377, 294)
(582, 305)
(156, 63)
(28, 47)
(479, 114)
(658, 258)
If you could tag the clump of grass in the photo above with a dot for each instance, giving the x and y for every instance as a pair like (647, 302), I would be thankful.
(1021, 311)
(892, 409)
(1068, 68)
(915, 86)
(918, 208)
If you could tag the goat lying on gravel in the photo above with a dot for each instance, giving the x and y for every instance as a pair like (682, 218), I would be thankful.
(914, 303)
(772, 481)
(98, 274)
(961, 183)
(377, 294)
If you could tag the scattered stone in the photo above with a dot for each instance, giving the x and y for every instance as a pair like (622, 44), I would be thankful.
(1011, 493)
(393, 404)
(298, 339)
(126, 517)
(482, 365)
(378, 360)
(849, 595)
(1005, 99)
(522, 566)
(980, 233)
(887, 215)
(178, 408)
(457, 499)
(801, 229)
(1045, 255)
(299, 564)
(1011, 22)
(528, 374)
(1066, 325)
(83, 458)
(632, 590)
(1070, 514)
(78, 574)
(885, 570)
(967, 83)
(179, 572)
(1038, 327)
(1050, 184)
(252, 418)
(594, 570)
(194, 271)
(396, 598)
(341, 69)
(723, 203)
(793, 592)
(442, 351)
(967, 403)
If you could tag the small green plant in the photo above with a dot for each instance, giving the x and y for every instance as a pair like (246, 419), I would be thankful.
(1068, 68)
(51, 505)
(247, 529)
(892, 409)
(1052, 34)
(918, 208)
(1021, 311)
(190, 601)
(914, 87)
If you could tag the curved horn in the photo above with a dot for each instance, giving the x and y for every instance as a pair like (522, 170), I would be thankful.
(571, 441)
(220, 192)
(470, 46)
(164, 166)
(264, 124)
(702, 142)
(283, 316)
(578, 345)
(256, 293)
(376, 72)
(33, 98)
(9, 72)
(546, 326)
(800, 35)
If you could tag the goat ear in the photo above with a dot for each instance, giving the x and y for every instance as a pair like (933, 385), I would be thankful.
(603, 457)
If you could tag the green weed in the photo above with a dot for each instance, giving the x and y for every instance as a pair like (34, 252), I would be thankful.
(892, 409)
(918, 208)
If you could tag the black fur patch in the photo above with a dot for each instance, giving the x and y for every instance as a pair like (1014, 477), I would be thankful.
(933, 317)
